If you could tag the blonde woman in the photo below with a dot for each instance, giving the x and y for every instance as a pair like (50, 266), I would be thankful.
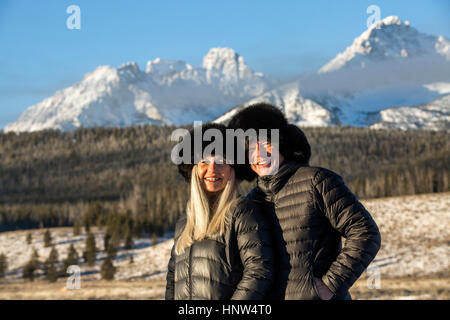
(223, 244)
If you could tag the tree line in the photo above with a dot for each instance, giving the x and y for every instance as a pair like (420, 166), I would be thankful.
(90, 176)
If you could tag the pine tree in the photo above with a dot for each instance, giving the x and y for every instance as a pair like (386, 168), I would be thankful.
(31, 266)
(128, 238)
(93, 215)
(114, 241)
(100, 222)
(107, 269)
(47, 238)
(51, 273)
(76, 228)
(87, 225)
(90, 250)
(35, 259)
(3, 265)
(72, 259)
(137, 228)
(154, 239)
(106, 240)
(28, 271)
(111, 251)
(113, 232)
(29, 238)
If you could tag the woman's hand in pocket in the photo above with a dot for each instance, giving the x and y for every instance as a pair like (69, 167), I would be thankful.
(322, 289)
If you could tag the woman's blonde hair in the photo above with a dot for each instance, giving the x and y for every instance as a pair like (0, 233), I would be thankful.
(205, 220)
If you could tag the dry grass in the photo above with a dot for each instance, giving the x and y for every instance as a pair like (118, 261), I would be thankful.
(403, 288)
(98, 289)
(391, 288)
(413, 262)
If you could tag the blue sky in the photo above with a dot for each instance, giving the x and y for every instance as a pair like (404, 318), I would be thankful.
(39, 54)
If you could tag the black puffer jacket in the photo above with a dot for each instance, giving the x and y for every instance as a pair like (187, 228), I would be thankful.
(236, 265)
(311, 209)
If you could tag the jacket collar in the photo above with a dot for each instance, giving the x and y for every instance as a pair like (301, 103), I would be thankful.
(272, 184)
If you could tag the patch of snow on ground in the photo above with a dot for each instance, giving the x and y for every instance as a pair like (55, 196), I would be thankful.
(415, 233)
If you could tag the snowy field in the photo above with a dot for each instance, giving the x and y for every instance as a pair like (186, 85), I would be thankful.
(415, 234)
(149, 261)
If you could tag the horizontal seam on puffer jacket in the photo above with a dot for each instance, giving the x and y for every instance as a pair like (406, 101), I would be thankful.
(294, 193)
(297, 267)
(200, 277)
(296, 257)
(295, 215)
(207, 258)
(299, 228)
(290, 205)
(293, 293)
(247, 230)
(367, 240)
(297, 278)
(353, 202)
(318, 173)
(335, 187)
(212, 280)
(299, 240)
(361, 262)
(286, 220)
(293, 290)
(342, 196)
(218, 261)
(342, 264)
(253, 245)
(298, 179)
(215, 240)
(252, 290)
(356, 212)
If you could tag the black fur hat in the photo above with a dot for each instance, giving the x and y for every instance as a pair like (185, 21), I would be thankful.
(258, 116)
(185, 169)
(294, 145)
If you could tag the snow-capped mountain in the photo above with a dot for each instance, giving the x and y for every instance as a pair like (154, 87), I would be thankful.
(391, 76)
(167, 92)
(389, 39)
(298, 109)
(434, 115)
(105, 97)
(390, 65)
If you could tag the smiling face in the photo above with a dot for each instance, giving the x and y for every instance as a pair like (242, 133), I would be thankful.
(214, 173)
(263, 160)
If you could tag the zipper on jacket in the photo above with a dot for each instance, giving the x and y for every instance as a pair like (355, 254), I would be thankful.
(190, 272)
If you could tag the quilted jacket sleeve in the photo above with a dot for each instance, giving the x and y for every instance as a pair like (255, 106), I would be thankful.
(170, 282)
(349, 217)
(170, 278)
(254, 241)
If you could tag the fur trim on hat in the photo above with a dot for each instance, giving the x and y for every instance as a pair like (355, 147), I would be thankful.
(294, 145)
(259, 116)
(185, 169)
